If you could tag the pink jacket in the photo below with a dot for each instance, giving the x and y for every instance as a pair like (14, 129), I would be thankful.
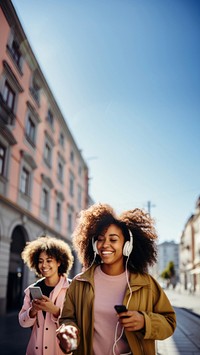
(43, 338)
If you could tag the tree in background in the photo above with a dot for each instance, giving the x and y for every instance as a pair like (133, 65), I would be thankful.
(168, 274)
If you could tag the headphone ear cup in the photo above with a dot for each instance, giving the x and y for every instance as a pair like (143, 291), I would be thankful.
(128, 246)
(126, 249)
(94, 244)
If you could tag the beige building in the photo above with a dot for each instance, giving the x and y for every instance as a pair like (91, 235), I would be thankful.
(190, 253)
(43, 176)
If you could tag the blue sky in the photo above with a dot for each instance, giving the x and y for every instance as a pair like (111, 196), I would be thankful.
(126, 76)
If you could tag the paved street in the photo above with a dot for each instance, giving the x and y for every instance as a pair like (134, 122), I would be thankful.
(189, 301)
(185, 341)
(13, 338)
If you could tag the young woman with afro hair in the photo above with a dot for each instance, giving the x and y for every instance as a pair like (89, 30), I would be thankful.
(51, 259)
(115, 252)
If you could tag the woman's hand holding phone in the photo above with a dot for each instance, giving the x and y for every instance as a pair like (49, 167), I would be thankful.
(121, 309)
(131, 320)
(45, 304)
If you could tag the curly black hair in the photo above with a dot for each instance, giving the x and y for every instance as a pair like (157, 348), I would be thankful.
(97, 218)
(53, 247)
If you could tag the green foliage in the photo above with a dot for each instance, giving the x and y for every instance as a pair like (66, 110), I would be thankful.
(165, 275)
(169, 271)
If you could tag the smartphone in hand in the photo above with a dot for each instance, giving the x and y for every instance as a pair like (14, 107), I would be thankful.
(35, 292)
(121, 308)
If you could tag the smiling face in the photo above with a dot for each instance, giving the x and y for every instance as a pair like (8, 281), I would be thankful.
(110, 248)
(48, 267)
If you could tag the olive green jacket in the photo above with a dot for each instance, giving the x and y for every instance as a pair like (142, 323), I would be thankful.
(147, 297)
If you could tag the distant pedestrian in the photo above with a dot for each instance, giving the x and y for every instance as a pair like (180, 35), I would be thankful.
(52, 259)
(115, 253)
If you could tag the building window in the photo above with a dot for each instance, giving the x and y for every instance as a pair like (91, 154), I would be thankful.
(45, 200)
(46, 187)
(9, 96)
(69, 222)
(48, 149)
(72, 156)
(10, 89)
(61, 139)
(60, 171)
(47, 154)
(58, 211)
(30, 130)
(35, 90)
(79, 196)
(32, 122)
(2, 159)
(60, 167)
(71, 184)
(80, 170)
(25, 179)
(50, 118)
(15, 52)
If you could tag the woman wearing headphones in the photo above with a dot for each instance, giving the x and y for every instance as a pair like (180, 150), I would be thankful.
(115, 252)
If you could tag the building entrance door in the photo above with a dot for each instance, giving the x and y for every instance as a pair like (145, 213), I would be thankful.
(16, 266)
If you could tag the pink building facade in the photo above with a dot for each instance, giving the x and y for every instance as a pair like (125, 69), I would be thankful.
(43, 176)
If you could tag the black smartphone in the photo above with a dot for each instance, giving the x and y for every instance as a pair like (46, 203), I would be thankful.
(120, 308)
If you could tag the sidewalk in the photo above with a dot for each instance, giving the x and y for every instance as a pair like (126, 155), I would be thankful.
(181, 339)
(13, 338)
(189, 301)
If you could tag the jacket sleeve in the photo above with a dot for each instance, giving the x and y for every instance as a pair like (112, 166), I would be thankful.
(24, 318)
(68, 311)
(160, 323)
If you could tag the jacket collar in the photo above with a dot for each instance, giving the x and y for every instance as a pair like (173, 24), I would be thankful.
(63, 283)
(139, 280)
(87, 275)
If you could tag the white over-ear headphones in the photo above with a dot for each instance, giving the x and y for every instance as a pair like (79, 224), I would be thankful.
(94, 244)
(128, 246)
(127, 249)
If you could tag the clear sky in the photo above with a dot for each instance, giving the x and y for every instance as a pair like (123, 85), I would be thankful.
(126, 76)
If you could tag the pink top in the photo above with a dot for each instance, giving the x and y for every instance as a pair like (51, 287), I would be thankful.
(109, 291)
